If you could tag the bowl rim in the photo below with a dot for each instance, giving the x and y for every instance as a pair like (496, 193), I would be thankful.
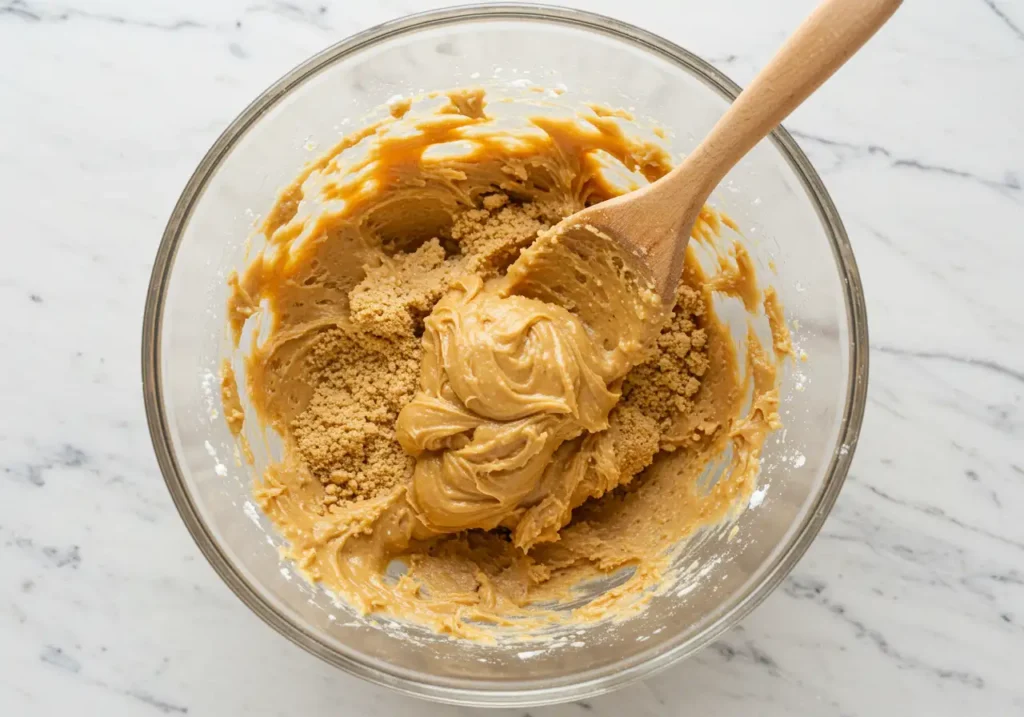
(539, 691)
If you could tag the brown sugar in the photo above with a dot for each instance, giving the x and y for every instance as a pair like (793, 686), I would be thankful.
(665, 386)
(394, 297)
(346, 435)
(492, 236)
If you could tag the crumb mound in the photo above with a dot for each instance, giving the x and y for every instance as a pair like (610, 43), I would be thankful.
(665, 386)
(346, 435)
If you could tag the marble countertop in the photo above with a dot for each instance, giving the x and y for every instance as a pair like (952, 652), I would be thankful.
(911, 601)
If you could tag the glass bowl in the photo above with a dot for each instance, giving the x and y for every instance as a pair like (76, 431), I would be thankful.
(791, 229)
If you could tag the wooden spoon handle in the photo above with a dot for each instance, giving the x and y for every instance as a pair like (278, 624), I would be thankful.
(827, 39)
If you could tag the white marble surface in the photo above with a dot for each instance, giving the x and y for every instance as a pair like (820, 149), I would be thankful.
(910, 602)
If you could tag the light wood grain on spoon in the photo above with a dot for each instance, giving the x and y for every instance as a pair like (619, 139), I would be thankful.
(655, 222)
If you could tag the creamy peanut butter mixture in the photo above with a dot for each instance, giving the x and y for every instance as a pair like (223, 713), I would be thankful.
(480, 414)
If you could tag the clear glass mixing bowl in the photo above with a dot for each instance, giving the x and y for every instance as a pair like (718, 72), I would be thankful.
(791, 228)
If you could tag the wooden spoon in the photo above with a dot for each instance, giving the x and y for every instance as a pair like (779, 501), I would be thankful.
(655, 222)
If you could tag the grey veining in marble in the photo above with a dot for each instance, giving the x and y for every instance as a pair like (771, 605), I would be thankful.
(910, 602)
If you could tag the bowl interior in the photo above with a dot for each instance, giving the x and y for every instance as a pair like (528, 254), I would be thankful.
(794, 238)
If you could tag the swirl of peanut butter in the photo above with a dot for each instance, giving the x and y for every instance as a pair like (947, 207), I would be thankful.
(513, 369)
